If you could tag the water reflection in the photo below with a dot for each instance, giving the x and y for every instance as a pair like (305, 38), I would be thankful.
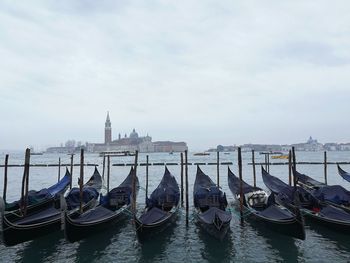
(154, 248)
(215, 250)
(41, 249)
(95, 246)
(340, 240)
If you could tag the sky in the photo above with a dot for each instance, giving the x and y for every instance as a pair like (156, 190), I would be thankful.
(204, 72)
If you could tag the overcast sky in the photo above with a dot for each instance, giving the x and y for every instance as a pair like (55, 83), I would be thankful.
(204, 72)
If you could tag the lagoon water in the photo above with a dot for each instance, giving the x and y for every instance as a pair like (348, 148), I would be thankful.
(247, 243)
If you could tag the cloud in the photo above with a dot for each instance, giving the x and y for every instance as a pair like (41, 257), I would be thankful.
(201, 71)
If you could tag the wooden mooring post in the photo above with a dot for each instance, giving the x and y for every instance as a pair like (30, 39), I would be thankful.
(81, 179)
(59, 169)
(218, 168)
(290, 167)
(71, 170)
(325, 167)
(103, 166)
(5, 177)
(25, 182)
(241, 184)
(182, 179)
(294, 165)
(254, 171)
(186, 185)
(108, 171)
(133, 204)
(147, 160)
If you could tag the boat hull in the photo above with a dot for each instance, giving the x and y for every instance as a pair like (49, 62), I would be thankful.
(147, 231)
(76, 231)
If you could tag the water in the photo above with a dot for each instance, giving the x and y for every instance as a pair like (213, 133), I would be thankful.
(247, 243)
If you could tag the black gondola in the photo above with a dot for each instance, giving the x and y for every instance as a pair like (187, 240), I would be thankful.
(18, 228)
(335, 195)
(345, 175)
(161, 208)
(210, 206)
(313, 210)
(113, 208)
(263, 209)
(38, 200)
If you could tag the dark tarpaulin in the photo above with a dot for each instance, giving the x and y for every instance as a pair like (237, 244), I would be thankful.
(167, 192)
(98, 213)
(61, 185)
(206, 191)
(73, 198)
(275, 212)
(303, 178)
(234, 184)
(335, 213)
(153, 215)
(334, 193)
(209, 216)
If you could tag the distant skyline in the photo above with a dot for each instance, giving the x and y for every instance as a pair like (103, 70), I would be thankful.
(203, 72)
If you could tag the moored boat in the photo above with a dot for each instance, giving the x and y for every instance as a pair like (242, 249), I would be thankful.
(18, 228)
(313, 210)
(113, 208)
(263, 209)
(210, 206)
(161, 208)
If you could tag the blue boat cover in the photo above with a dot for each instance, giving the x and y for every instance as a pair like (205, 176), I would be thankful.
(39, 217)
(307, 180)
(332, 193)
(73, 198)
(61, 185)
(209, 216)
(235, 186)
(344, 174)
(153, 215)
(120, 195)
(35, 197)
(167, 193)
(275, 212)
(335, 213)
(206, 193)
(96, 214)
(91, 191)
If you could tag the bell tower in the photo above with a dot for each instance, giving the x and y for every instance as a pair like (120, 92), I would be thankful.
(108, 130)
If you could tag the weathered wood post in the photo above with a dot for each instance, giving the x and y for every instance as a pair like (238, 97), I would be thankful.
(71, 170)
(254, 172)
(182, 179)
(133, 204)
(290, 167)
(241, 183)
(186, 185)
(81, 179)
(26, 175)
(294, 164)
(59, 169)
(103, 166)
(5, 177)
(325, 167)
(218, 168)
(108, 171)
(147, 176)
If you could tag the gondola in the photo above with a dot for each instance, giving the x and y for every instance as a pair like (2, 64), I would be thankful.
(335, 195)
(263, 209)
(161, 208)
(210, 206)
(18, 228)
(345, 175)
(313, 210)
(38, 200)
(113, 208)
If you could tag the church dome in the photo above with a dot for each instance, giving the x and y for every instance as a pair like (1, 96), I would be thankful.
(134, 134)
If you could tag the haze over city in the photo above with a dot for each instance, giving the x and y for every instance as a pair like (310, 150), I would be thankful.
(206, 72)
